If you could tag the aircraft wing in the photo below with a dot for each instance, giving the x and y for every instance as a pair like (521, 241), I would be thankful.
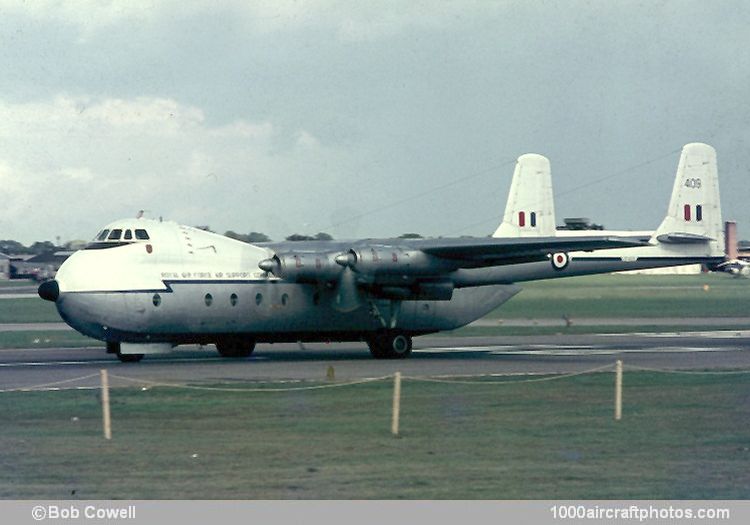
(415, 269)
(478, 252)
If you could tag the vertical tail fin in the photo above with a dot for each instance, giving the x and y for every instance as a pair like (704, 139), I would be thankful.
(694, 210)
(530, 210)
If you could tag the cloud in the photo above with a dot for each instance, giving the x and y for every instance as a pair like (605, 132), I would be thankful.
(70, 164)
(350, 21)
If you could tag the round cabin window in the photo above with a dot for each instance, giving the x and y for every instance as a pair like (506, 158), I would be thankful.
(258, 299)
(208, 299)
(156, 299)
(233, 299)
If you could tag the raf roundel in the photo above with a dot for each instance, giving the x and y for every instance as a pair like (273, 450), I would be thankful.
(560, 260)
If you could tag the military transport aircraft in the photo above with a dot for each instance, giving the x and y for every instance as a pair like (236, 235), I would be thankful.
(146, 286)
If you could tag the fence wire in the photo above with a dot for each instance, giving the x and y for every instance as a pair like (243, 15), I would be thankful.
(427, 379)
(457, 380)
(43, 386)
(228, 389)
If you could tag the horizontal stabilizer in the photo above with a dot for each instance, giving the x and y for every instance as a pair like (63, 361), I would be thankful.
(683, 238)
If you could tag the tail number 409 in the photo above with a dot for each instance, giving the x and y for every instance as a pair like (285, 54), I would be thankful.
(692, 183)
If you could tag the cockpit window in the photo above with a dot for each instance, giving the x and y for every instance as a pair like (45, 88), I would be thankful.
(115, 235)
(141, 234)
(102, 235)
(128, 235)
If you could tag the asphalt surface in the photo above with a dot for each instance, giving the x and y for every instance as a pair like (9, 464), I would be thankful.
(740, 322)
(57, 368)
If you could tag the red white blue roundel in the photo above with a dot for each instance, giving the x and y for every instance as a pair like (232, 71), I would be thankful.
(559, 260)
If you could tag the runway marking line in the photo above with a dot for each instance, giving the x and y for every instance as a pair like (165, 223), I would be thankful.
(198, 359)
(550, 350)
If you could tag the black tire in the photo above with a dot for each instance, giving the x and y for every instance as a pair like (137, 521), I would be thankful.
(390, 345)
(235, 348)
(129, 358)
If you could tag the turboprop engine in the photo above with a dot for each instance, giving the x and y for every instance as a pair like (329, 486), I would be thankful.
(372, 264)
(384, 271)
(303, 267)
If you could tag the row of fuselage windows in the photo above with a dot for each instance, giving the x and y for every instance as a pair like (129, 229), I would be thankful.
(121, 234)
(208, 299)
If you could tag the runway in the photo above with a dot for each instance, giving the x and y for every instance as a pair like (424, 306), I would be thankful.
(432, 356)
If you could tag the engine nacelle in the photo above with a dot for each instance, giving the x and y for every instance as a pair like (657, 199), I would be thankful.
(377, 261)
(437, 291)
(377, 264)
(303, 267)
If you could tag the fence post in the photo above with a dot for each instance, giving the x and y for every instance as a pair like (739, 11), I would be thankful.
(396, 403)
(618, 390)
(105, 405)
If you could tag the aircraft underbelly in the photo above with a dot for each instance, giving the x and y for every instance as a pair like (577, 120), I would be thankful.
(200, 310)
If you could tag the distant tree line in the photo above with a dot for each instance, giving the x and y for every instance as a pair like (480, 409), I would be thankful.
(250, 237)
(16, 248)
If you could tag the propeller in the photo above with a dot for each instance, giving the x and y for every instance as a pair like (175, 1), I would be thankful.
(348, 295)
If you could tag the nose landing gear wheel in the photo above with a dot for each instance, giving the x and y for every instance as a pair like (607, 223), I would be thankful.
(390, 345)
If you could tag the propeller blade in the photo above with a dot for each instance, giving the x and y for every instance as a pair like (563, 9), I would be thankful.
(348, 295)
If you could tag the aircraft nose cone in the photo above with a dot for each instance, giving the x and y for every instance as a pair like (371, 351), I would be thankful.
(49, 290)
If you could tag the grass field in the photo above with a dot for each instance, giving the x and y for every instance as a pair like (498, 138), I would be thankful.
(682, 436)
(31, 310)
(17, 282)
(631, 296)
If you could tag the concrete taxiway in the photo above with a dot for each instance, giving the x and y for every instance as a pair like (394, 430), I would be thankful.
(433, 356)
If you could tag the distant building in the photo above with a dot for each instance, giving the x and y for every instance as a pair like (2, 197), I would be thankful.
(579, 223)
(41, 267)
(4, 267)
(687, 269)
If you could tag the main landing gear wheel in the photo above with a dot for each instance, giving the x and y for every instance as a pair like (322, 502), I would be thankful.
(235, 347)
(129, 358)
(114, 348)
(390, 345)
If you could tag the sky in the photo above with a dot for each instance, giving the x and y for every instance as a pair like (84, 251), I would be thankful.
(361, 119)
